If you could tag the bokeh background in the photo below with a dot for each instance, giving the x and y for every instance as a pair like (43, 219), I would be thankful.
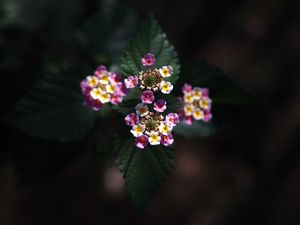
(247, 173)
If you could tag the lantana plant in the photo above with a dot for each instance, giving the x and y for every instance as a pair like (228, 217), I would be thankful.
(149, 124)
(140, 93)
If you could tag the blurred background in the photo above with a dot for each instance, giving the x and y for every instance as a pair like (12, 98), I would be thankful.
(247, 173)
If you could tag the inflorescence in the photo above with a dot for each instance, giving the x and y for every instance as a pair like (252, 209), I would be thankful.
(103, 87)
(196, 104)
(149, 124)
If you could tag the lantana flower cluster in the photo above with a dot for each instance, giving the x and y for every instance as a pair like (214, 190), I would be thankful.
(196, 104)
(103, 87)
(148, 123)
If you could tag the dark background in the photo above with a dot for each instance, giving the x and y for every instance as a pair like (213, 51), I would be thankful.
(248, 173)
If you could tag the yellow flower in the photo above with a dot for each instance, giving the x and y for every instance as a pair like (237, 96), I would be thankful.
(197, 93)
(198, 114)
(166, 71)
(95, 93)
(166, 87)
(104, 79)
(92, 81)
(154, 138)
(104, 97)
(188, 98)
(164, 128)
(110, 88)
(138, 130)
(188, 110)
(205, 103)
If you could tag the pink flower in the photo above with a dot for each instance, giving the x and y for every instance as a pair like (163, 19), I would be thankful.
(141, 142)
(148, 60)
(131, 81)
(115, 78)
(160, 105)
(121, 90)
(166, 140)
(132, 119)
(189, 120)
(187, 89)
(95, 104)
(116, 99)
(85, 87)
(204, 92)
(147, 97)
(100, 70)
(172, 119)
(207, 115)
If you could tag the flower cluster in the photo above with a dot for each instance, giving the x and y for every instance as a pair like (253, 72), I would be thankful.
(196, 104)
(153, 78)
(148, 124)
(103, 87)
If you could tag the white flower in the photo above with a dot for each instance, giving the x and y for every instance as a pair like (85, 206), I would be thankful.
(198, 114)
(104, 79)
(166, 71)
(188, 110)
(110, 88)
(95, 93)
(154, 138)
(138, 130)
(92, 81)
(188, 98)
(197, 93)
(141, 109)
(164, 128)
(165, 87)
(104, 97)
(205, 103)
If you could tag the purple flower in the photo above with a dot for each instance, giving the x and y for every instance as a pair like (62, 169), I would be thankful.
(166, 140)
(147, 97)
(160, 105)
(148, 60)
(100, 70)
(172, 119)
(187, 89)
(85, 87)
(204, 92)
(131, 81)
(207, 115)
(116, 99)
(121, 90)
(95, 104)
(132, 119)
(141, 142)
(115, 78)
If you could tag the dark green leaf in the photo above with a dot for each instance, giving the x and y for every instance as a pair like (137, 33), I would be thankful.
(143, 170)
(197, 129)
(53, 109)
(150, 39)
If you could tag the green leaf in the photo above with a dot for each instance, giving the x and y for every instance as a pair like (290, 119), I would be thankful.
(143, 170)
(150, 39)
(53, 109)
(197, 129)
